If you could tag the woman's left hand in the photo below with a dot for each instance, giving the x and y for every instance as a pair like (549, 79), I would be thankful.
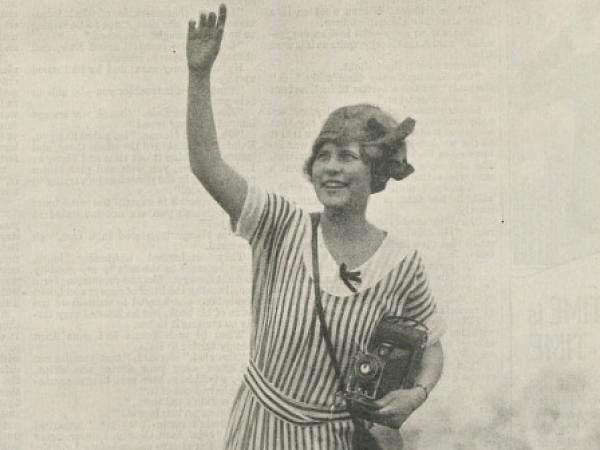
(397, 406)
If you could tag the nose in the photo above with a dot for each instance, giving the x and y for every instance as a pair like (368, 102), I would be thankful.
(332, 165)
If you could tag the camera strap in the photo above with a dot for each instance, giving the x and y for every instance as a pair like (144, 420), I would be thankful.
(315, 217)
(363, 439)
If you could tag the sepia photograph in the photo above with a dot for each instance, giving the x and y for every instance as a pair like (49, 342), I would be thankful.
(300, 225)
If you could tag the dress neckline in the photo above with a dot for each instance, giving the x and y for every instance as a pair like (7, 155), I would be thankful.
(323, 247)
(377, 268)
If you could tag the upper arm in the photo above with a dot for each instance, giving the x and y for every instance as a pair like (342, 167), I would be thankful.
(433, 360)
(225, 185)
(436, 350)
(420, 303)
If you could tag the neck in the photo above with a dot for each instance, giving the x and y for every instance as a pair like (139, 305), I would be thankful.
(346, 224)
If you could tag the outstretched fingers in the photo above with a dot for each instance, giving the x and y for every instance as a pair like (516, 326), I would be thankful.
(212, 19)
(191, 27)
(204, 28)
(222, 16)
(209, 25)
(221, 22)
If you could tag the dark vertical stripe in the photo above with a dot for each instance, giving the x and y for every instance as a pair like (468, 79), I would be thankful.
(322, 361)
(407, 277)
(302, 371)
(340, 335)
(291, 326)
(299, 341)
(287, 265)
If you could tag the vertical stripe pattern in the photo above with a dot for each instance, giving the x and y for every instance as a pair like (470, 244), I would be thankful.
(288, 356)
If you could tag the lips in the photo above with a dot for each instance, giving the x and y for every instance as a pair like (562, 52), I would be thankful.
(333, 184)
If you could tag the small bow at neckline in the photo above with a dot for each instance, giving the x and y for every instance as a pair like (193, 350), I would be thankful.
(349, 277)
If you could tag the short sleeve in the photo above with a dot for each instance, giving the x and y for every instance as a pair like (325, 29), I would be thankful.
(254, 205)
(421, 306)
(263, 214)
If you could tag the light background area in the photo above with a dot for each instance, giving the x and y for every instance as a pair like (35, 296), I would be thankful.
(125, 298)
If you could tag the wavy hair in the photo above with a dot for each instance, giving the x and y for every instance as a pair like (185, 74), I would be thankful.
(380, 137)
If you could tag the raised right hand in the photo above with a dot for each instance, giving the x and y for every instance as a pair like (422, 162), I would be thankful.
(204, 41)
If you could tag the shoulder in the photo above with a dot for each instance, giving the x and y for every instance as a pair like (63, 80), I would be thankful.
(279, 209)
(398, 251)
(396, 261)
(265, 213)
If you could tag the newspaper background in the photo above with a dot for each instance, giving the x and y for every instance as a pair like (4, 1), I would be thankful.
(124, 297)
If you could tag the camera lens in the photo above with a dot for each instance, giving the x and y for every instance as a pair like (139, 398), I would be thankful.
(365, 368)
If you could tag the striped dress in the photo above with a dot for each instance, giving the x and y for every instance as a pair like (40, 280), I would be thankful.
(287, 400)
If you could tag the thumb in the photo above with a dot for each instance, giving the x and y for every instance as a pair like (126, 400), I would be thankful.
(221, 22)
(385, 400)
(191, 27)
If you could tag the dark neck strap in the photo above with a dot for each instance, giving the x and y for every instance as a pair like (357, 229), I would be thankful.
(358, 426)
(315, 217)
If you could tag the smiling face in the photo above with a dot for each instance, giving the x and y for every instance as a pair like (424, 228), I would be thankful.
(340, 177)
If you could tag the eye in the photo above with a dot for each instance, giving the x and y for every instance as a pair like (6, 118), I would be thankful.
(346, 155)
(322, 155)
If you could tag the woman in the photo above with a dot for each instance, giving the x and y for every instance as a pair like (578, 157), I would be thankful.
(288, 397)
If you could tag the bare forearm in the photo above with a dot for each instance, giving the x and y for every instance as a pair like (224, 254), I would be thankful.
(223, 183)
(396, 406)
(431, 367)
(203, 146)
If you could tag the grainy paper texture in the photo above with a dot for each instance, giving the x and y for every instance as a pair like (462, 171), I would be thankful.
(124, 297)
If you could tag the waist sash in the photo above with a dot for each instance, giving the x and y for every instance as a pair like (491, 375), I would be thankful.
(286, 408)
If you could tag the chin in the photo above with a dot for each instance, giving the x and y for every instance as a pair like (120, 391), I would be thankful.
(332, 201)
(335, 206)
(329, 203)
(339, 205)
